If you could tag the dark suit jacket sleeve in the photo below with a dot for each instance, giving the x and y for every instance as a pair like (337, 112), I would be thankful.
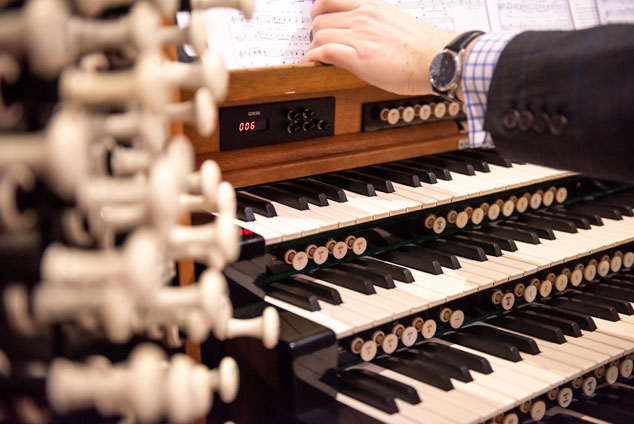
(566, 99)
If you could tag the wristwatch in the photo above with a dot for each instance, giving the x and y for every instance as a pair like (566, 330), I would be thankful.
(446, 68)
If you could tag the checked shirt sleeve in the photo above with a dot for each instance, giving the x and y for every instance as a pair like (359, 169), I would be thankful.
(476, 79)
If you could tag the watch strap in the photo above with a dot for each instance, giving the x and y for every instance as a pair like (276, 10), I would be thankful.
(463, 40)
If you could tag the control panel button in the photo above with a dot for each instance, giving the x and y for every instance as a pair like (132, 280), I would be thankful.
(425, 112)
(440, 109)
(393, 116)
(408, 114)
(454, 109)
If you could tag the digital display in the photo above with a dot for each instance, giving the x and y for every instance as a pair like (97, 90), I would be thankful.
(253, 125)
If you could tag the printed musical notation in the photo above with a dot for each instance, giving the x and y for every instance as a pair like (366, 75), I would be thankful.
(280, 31)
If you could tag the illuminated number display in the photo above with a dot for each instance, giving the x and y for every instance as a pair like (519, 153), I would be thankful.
(253, 125)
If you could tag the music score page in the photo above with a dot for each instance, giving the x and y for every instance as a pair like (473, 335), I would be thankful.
(280, 31)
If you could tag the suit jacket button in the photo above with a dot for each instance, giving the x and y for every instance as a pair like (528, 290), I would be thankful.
(510, 119)
(526, 121)
(557, 124)
(541, 122)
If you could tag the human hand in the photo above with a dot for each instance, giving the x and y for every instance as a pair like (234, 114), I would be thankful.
(376, 41)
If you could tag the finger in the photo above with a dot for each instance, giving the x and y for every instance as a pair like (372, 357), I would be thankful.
(331, 36)
(340, 55)
(332, 20)
(321, 7)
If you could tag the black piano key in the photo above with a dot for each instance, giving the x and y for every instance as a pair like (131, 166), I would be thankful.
(624, 210)
(244, 212)
(332, 192)
(568, 327)
(451, 165)
(622, 280)
(603, 211)
(523, 343)
(505, 243)
(458, 248)
(545, 233)
(547, 222)
(601, 409)
(612, 291)
(321, 292)
(411, 261)
(293, 296)
(314, 196)
(395, 174)
(492, 347)
(516, 234)
(490, 157)
(599, 311)
(422, 174)
(584, 321)
(381, 184)
(397, 272)
(593, 218)
(419, 371)
(438, 171)
(456, 356)
(282, 196)
(377, 399)
(444, 259)
(381, 383)
(478, 164)
(580, 222)
(490, 248)
(459, 372)
(378, 279)
(532, 328)
(621, 199)
(376, 237)
(344, 279)
(351, 184)
(258, 204)
(621, 306)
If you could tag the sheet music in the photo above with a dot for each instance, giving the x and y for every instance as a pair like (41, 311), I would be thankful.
(279, 32)
(615, 11)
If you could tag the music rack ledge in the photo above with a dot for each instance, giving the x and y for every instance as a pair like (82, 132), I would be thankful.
(348, 148)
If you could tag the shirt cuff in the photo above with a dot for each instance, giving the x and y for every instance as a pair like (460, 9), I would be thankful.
(476, 79)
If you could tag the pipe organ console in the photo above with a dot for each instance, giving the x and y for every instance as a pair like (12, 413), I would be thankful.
(417, 280)
(389, 272)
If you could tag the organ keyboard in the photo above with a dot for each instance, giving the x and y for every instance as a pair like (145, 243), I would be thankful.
(417, 281)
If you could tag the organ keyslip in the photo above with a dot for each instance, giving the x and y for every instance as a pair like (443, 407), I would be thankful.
(421, 281)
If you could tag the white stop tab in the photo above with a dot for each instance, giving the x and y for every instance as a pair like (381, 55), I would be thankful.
(530, 293)
(368, 351)
(409, 336)
(628, 259)
(589, 385)
(320, 255)
(477, 216)
(549, 198)
(440, 224)
(462, 220)
(428, 330)
(522, 204)
(538, 410)
(456, 319)
(561, 282)
(390, 343)
(494, 212)
(507, 208)
(300, 260)
(545, 288)
(615, 264)
(359, 246)
(576, 277)
(611, 375)
(536, 201)
(625, 369)
(564, 398)
(339, 250)
(589, 272)
(561, 195)
(603, 268)
(508, 300)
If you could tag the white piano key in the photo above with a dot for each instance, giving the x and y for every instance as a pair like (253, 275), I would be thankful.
(409, 204)
(502, 270)
(525, 267)
(309, 221)
(340, 328)
(617, 329)
(270, 236)
(461, 274)
(626, 346)
(360, 215)
(433, 298)
(377, 212)
(281, 226)
(427, 192)
(393, 207)
(339, 218)
(416, 194)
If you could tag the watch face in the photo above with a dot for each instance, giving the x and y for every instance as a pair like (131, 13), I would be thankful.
(442, 71)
